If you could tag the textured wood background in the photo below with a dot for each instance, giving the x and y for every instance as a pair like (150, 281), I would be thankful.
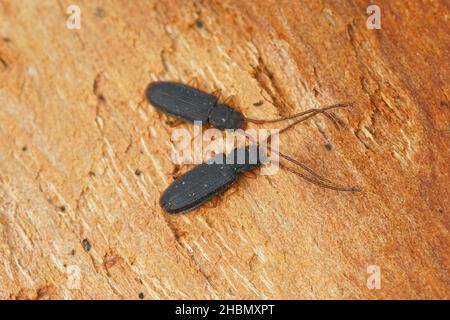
(84, 158)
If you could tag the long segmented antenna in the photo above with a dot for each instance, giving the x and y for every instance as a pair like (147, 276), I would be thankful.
(304, 167)
(313, 113)
(260, 121)
(318, 179)
(296, 115)
(321, 181)
(320, 184)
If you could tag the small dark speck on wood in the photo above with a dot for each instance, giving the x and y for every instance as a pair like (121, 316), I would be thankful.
(100, 12)
(199, 23)
(86, 245)
(3, 65)
(316, 92)
(328, 146)
(141, 295)
(138, 172)
(259, 103)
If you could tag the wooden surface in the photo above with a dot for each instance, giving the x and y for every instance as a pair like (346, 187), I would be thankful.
(84, 156)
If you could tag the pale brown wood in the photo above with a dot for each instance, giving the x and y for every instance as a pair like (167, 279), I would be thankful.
(84, 156)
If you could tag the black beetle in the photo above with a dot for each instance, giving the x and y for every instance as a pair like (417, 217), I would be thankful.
(190, 104)
(216, 175)
(205, 181)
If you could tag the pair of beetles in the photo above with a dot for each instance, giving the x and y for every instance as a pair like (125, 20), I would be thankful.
(216, 175)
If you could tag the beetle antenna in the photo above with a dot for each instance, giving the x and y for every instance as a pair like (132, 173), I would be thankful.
(304, 167)
(260, 121)
(319, 183)
(309, 114)
(318, 179)
(296, 115)
(292, 160)
(312, 114)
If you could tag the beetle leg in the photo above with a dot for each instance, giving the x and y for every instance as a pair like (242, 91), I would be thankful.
(213, 203)
(250, 174)
(232, 190)
(232, 100)
(174, 123)
(176, 171)
(193, 82)
(218, 94)
(180, 169)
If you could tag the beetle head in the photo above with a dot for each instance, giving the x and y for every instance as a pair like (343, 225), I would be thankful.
(245, 158)
(223, 117)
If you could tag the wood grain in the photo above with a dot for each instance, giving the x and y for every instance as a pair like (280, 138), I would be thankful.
(83, 156)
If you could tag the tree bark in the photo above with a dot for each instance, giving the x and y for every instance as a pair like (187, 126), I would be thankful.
(84, 158)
